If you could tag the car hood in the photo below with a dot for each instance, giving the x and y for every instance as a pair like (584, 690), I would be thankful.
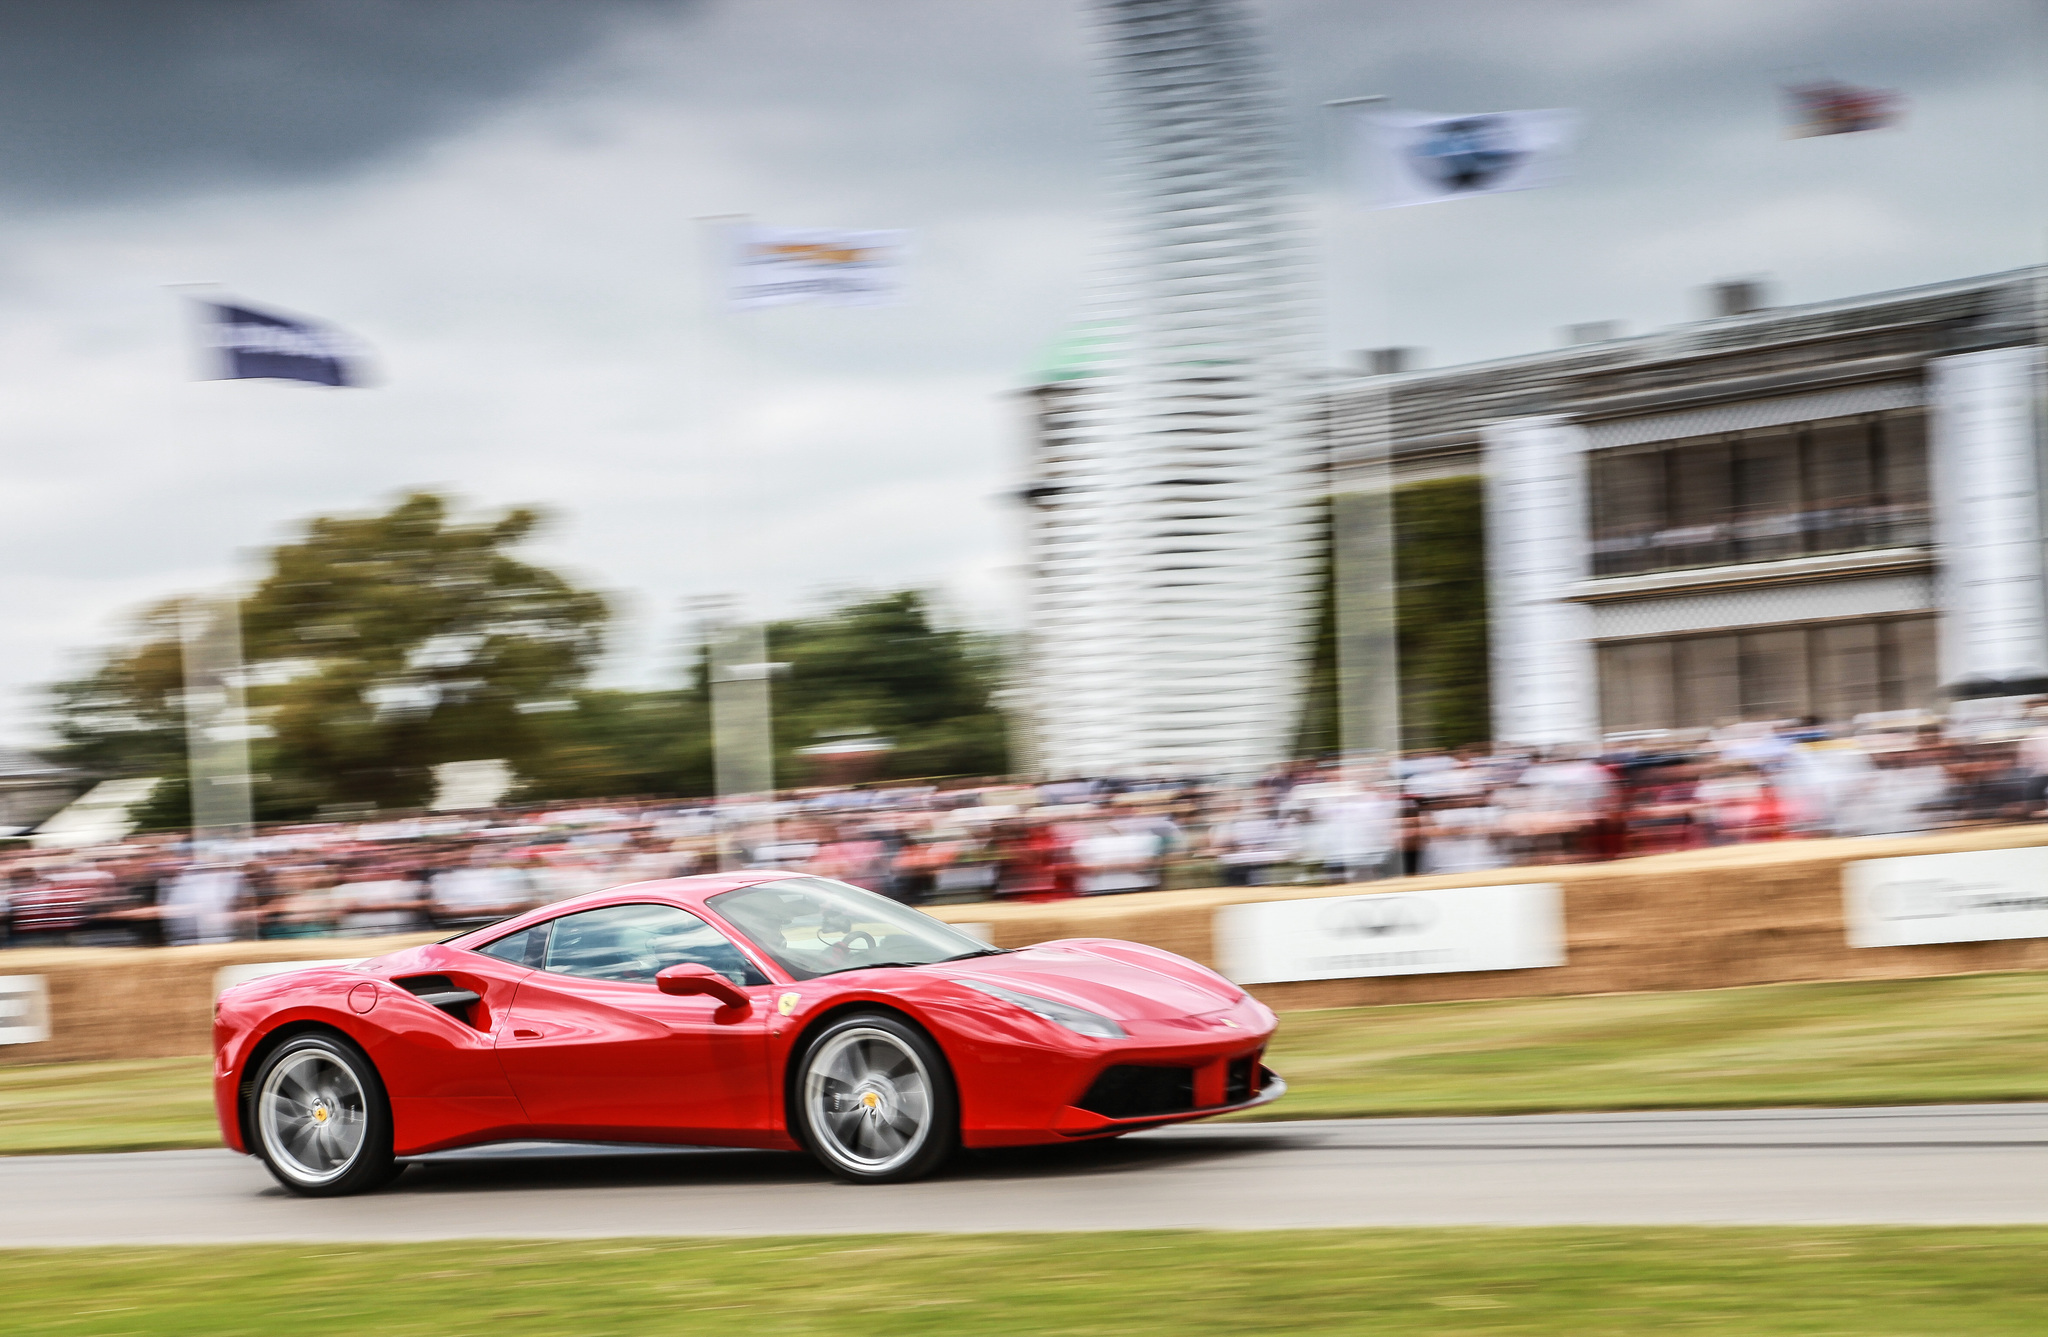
(1095, 975)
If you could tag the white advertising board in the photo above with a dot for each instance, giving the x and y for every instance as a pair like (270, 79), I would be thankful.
(24, 1009)
(1974, 896)
(1515, 927)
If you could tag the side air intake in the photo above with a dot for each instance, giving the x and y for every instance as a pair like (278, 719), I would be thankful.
(442, 992)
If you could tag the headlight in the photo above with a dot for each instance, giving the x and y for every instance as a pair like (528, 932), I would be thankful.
(1077, 1019)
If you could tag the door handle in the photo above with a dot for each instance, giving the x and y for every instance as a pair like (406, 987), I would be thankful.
(525, 1033)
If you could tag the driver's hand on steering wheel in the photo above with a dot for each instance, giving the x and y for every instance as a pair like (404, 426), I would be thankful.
(844, 949)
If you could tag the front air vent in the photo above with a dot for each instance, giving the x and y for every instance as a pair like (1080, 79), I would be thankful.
(1237, 1080)
(444, 993)
(1129, 1091)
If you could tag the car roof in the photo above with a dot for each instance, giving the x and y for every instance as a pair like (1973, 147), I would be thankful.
(687, 892)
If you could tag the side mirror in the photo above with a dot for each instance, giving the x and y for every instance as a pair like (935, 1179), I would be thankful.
(692, 978)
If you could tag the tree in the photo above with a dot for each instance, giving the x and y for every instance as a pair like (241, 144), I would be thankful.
(615, 743)
(380, 646)
(877, 665)
(1440, 560)
(377, 647)
(873, 664)
(1441, 624)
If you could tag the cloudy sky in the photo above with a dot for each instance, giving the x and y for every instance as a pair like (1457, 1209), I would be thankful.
(501, 197)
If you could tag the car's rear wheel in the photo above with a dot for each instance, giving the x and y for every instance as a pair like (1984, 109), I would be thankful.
(320, 1118)
(874, 1100)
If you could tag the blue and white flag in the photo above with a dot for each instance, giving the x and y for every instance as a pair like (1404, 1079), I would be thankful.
(1418, 157)
(248, 344)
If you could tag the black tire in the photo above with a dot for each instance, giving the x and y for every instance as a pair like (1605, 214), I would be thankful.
(872, 1098)
(319, 1118)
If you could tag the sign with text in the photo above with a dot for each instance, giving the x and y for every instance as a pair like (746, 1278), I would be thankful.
(1973, 896)
(1515, 927)
(24, 1009)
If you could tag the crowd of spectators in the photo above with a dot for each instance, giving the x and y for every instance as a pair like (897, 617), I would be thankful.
(1467, 810)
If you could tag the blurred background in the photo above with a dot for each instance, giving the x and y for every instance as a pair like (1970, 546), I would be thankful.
(1654, 465)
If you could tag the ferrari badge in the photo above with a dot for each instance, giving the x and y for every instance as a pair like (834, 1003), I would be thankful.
(787, 1003)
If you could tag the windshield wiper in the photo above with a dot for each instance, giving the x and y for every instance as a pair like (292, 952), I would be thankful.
(877, 965)
(911, 965)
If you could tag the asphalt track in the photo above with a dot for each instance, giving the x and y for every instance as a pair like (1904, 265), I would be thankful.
(1938, 1165)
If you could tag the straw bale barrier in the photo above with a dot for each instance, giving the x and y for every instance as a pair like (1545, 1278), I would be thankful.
(1751, 914)
(151, 1002)
(1705, 919)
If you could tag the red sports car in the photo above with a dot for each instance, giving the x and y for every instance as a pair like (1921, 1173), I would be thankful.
(757, 1009)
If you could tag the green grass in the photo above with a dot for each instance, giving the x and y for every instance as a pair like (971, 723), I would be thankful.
(1587, 1283)
(1956, 1038)
(139, 1105)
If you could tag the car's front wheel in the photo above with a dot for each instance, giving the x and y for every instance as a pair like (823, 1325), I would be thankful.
(874, 1100)
(320, 1118)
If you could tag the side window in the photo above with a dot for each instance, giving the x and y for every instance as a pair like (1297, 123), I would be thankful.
(634, 942)
(525, 948)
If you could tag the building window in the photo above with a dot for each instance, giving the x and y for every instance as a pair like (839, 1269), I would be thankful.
(1832, 670)
(1820, 487)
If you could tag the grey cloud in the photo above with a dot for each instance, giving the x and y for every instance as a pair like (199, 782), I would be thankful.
(1654, 67)
(532, 284)
(114, 100)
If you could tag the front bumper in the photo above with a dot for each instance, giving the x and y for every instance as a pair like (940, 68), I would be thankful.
(1073, 1121)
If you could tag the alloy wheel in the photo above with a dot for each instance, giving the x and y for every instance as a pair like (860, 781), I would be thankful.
(313, 1116)
(869, 1100)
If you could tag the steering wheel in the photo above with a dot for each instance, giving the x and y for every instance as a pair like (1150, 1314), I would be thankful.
(844, 948)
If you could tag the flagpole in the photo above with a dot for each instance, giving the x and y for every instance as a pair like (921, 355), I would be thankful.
(218, 780)
(197, 346)
(741, 710)
(1364, 590)
(216, 725)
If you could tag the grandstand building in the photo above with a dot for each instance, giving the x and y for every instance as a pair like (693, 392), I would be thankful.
(1821, 510)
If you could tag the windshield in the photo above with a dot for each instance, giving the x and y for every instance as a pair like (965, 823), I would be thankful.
(813, 927)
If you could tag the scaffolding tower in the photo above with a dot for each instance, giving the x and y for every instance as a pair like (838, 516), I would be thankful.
(1174, 476)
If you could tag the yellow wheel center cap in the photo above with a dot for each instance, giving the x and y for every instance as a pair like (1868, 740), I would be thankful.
(871, 1100)
(319, 1114)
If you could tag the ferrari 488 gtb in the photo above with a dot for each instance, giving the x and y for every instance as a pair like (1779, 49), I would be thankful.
(758, 1009)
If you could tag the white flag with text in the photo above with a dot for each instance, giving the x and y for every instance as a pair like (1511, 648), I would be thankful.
(781, 266)
(1419, 157)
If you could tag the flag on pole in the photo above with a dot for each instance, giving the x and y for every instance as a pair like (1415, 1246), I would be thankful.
(780, 266)
(1419, 157)
(1825, 107)
(248, 344)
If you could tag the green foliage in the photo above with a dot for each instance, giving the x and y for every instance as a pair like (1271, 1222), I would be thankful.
(877, 665)
(1440, 561)
(1440, 571)
(619, 743)
(873, 665)
(124, 718)
(1318, 731)
(378, 646)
